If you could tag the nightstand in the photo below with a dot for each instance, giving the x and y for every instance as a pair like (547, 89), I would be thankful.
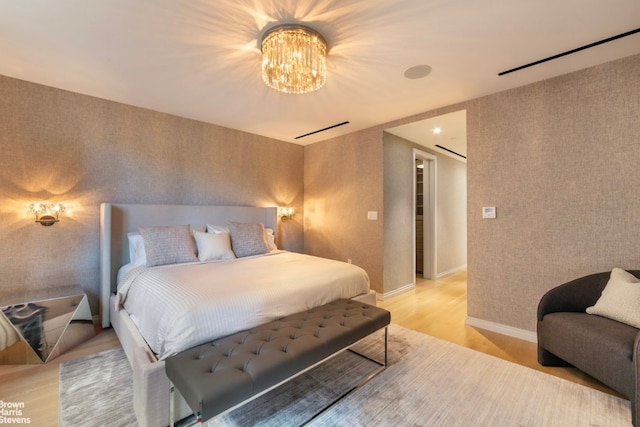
(39, 325)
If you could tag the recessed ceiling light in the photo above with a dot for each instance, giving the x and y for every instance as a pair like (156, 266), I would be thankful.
(417, 72)
(437, 130)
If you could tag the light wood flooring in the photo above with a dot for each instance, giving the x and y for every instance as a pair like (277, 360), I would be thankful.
(438, 308)
(435, 307)
(36, 386)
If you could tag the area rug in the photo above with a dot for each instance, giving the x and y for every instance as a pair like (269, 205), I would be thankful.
(96, 390)
(429, 382)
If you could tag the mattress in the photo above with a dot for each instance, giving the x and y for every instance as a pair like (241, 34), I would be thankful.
(179, 306)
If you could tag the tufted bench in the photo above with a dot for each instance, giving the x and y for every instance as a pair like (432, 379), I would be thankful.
(216, 377)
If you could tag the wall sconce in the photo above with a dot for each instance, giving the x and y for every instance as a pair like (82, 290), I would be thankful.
(287, 213)
(50, 212)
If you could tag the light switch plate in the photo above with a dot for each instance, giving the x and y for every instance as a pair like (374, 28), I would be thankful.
(372, 215)
(489, 212)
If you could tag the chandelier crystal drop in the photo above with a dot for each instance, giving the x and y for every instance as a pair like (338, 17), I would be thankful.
(294, 59)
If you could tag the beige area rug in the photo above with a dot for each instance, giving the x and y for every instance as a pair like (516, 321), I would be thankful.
(429, 382)
(96, 390)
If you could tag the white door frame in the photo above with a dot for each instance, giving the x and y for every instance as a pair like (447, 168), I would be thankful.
(429, 212)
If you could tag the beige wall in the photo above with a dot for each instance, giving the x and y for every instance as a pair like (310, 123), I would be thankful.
(342, 182)
(399, 168)
(557, 158)
(348, 176)
(61, 146)
(451, 232)
(451, 200)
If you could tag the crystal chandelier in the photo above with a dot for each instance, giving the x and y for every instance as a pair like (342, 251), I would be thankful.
(294, 59)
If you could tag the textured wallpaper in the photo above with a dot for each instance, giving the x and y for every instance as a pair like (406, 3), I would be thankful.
(342, 183)
(559, 160)
(80, 150)
(399, 168)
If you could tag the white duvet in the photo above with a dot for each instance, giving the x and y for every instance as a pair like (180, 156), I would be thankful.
(179, 306)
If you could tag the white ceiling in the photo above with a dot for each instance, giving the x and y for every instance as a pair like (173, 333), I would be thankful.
(446, 134)
(200, 59)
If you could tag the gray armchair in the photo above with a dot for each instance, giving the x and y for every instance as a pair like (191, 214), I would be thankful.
(603, 348)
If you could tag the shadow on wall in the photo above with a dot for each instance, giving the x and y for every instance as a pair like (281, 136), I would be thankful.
(41, 170)
(320, 223)
(34, 256)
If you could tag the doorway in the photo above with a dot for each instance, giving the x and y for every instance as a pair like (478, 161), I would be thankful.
(424, 213)
(444, 226)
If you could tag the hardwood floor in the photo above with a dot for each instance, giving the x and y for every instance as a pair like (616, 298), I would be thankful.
(438, 308)
(435, 307)
(36, 386)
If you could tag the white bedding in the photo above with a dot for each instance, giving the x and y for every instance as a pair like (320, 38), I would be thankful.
(179, 306)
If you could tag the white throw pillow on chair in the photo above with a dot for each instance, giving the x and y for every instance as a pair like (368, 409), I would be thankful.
(620, 299)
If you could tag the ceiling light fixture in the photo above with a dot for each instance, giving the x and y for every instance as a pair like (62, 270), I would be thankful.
(294, 59)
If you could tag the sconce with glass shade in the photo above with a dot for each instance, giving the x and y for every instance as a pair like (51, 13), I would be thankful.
(287, 213)
(46, 214)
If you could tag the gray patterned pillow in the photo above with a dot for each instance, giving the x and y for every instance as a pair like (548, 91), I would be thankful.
(247, 238)
(168, 244)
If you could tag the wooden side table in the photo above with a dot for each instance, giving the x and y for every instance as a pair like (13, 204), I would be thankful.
(37, 326)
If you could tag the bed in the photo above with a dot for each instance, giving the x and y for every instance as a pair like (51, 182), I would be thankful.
(264, 286)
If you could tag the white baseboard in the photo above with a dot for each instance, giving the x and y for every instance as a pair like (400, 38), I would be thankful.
(398, 291)
(451, 271)
(522, 334)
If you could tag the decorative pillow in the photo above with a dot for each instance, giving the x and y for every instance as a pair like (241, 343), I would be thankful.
(137, 254)
(168, 244)
(270, 239)
(217, 229)
(247, 238)
(620, 299)
(213, 246)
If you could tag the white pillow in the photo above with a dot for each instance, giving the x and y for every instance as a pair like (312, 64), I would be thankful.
(213, 246)
(620, 299)
(270, 239)
(137, 255)
(217, 229)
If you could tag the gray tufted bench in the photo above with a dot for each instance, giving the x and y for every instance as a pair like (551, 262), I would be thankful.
(216, 377)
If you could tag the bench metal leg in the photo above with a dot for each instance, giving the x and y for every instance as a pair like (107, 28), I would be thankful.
(381, 367)
(194, 420)
(172, 419)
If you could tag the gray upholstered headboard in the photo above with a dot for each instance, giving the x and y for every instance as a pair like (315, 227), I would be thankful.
(116, 220)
